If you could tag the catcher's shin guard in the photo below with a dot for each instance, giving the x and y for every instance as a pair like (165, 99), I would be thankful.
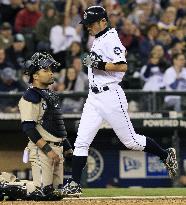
(45, 194)
(1, 192)
(14, 192)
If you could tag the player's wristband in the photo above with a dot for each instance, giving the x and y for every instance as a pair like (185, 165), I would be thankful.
(101, 65)
(46, 148)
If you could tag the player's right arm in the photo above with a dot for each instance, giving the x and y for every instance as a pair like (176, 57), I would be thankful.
(29, 111)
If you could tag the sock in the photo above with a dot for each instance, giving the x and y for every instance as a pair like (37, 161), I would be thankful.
(78, 163)
(154, 148)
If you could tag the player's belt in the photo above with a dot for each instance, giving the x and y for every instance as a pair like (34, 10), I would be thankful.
(59, 144)
(97, 90)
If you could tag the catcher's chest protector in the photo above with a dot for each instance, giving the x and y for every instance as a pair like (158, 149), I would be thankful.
(52, 120)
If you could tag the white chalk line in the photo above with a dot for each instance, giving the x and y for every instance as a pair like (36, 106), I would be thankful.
(126, 198)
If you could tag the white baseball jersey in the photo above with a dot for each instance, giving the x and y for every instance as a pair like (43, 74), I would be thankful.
(109, 47)
(109, 105)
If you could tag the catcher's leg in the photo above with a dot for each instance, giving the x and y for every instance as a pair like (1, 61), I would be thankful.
(58, 174)
(42, 167)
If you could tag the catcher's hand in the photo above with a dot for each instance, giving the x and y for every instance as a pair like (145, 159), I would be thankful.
(68, 153)
(94, 61)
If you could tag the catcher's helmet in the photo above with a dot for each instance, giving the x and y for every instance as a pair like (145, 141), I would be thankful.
(40, 60)
(93, 14)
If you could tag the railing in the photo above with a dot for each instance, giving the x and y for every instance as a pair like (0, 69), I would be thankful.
(147, 100)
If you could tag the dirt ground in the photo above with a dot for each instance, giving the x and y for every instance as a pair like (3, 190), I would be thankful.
(104, 202)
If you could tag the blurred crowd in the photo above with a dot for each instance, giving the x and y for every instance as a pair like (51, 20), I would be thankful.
(153, 32)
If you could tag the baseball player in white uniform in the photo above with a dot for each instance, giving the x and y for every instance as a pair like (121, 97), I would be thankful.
(106, 100)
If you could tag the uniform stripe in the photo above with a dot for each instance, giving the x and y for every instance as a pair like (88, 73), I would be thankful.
(127, 120)
(41, 171)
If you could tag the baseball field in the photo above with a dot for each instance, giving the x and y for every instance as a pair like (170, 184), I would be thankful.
(119, 196)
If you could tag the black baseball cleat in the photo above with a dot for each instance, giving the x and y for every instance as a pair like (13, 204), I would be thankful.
(171, 163)
(71, 189)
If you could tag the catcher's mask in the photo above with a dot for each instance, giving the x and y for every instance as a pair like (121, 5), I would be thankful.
(40, 60)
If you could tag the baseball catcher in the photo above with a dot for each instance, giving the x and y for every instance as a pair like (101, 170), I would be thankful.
(42, 122)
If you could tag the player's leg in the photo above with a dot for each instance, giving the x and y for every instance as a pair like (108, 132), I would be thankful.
(42, 167)
(24, 189)
(58, 174)
(135, 141)
(89, 125)
(42, 171)
(123, 127)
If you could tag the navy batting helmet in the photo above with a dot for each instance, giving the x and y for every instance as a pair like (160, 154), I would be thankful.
(93, 14)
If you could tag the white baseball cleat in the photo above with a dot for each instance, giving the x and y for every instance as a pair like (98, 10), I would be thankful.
(71, 189)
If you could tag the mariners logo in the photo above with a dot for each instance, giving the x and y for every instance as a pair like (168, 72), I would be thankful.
(95, 165)
(117, 50)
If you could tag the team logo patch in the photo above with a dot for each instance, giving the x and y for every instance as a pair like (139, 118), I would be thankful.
(85, 15)
(95, 165)
(117, 50)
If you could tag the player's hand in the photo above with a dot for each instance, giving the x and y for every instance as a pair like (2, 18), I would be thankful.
(55, 157)
(68, 153)
(68, 156)
(86, 61)
(94, 61)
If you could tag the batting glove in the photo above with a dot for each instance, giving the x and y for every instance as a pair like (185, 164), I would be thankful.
(94, 61)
